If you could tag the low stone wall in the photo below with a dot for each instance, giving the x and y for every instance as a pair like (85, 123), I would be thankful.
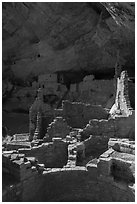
(122, 145)
(15, 145)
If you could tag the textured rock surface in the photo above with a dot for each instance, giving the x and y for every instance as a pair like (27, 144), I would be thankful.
(122, 12)
(47, 37)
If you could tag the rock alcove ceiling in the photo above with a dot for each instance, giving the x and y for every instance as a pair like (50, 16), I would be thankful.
(50, 37)
(40, 38)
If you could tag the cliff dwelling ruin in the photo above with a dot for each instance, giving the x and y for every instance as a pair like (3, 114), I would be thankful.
(68, 108)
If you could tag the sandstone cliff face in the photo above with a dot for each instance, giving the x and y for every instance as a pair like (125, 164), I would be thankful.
(49, 37)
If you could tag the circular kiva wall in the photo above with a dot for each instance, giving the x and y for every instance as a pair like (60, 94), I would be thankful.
(75, 185)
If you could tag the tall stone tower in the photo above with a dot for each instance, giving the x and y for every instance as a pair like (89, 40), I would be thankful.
(35, 114)
(37, 133)
(122, 103)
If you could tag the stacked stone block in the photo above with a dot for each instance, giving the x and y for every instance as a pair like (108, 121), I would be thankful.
(15, 145)
(118, 162)
(37, 133)
(72, 155)
(23, 169)
(21, 137)
(122, 145)
(19, 166)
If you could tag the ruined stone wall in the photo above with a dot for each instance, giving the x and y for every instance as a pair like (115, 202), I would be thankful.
(96, 145)
(122, 145)
(121, 127)
(45, 123)
(78, 114)
(53, 154)
(50, 85)
(92, 91)
(122, 103)
(96, 92)
(98, 127)
(131, 90)
(124, 100)
(13, 145)
(58, 128)
(125, 126)
(119, 160)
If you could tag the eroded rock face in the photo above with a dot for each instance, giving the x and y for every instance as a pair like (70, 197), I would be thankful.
(48, 37)
(122, 12)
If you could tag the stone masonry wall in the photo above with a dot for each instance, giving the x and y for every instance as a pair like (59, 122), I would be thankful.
(119, 160)
(53, 154)
(125, 126)
(78, 114)
(58, 128)
(96, 145)
(96, 91)
(121, 127)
